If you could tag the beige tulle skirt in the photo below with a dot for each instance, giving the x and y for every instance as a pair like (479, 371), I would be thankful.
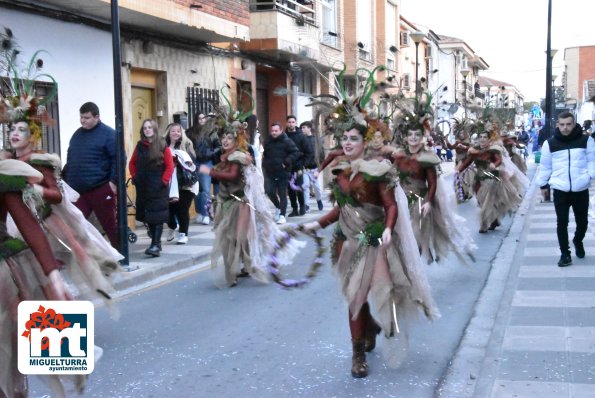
(496, 197)
(21, 278)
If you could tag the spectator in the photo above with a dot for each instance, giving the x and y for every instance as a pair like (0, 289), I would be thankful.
(524, 139)
(280, 153)
(311, 164)
(572, 156)
(297, 170)
(151, 168)
(254, 139)
(91, 169)
(203, 136)
(184, 157)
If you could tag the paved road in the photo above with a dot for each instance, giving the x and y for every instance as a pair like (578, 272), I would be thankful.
(188, 338)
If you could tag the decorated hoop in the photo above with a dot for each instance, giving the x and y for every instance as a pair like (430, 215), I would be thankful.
(274, 266)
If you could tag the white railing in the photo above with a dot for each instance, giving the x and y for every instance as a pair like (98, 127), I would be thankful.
(303, 10)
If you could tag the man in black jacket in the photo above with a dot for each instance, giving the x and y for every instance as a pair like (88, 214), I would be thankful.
(303, 146)
(280, 153)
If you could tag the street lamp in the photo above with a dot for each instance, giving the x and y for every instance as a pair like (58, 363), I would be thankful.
(417, 37)
(465, 73)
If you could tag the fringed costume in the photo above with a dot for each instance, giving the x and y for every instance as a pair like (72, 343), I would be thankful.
(441, 231)
(74, 240)
(391, 278)
(494, 189)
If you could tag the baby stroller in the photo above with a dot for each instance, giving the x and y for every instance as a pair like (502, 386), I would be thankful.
(131, 235)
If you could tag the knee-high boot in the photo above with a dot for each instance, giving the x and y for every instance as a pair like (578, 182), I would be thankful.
(154, 250)
(359, 367)
(157, 235)
(372, 329)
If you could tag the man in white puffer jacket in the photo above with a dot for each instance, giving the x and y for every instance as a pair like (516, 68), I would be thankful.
(568, 165)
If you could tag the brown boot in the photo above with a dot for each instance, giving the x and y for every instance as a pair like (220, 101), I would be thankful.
(359, 367)
(372, 330)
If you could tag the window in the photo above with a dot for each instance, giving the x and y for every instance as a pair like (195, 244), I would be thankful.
(391, 28)
(406, 81)
(390, 62)
(405, 39)
(329, 22)
(364, 27)
(307, 82)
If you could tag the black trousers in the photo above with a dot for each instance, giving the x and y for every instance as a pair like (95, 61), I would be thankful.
(179, 212)
(579, 201)
(297, 197)
(276, 189)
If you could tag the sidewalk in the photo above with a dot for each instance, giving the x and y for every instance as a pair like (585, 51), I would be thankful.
(533, 331)
(176, 260)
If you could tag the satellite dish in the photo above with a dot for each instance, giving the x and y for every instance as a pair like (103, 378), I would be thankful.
(453, 109)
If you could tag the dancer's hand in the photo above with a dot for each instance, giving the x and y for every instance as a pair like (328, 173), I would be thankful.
(58, 288)
(386, 236)
(426, 208)
(310, 226)
(204, 169)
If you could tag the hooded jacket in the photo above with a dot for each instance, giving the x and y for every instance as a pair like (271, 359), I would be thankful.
(567, 162)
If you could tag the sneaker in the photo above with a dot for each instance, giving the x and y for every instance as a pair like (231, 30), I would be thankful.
(281, 219)
(294, 213)
(206, 220)
(579, 249)
(171, 235)
(198, 219)
(182, 239)
(303, 211)
(320, 205)
(565, 260)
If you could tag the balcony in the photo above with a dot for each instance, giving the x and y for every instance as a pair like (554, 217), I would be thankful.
(166, 18)
(284, 30)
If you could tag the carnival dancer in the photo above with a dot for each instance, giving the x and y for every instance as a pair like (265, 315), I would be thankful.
(244, 225)
(375, 256)
(510, 142)
(463, 182)
(494, 188)
(74, 240)
(437, 228)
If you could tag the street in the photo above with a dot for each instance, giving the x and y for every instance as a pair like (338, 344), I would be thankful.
(189, 338)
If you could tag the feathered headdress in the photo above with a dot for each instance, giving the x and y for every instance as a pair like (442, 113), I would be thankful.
(343, 112)
(414, 114)
(18, 102)
(229, 120)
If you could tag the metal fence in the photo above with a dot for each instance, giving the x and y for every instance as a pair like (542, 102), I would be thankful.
(200, 100)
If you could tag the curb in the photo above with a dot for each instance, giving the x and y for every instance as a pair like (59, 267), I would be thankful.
(462, 378)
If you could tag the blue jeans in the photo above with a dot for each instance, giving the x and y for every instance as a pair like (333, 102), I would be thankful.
(204, 191)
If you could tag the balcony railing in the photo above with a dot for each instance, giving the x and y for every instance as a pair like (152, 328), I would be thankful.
(304, 11)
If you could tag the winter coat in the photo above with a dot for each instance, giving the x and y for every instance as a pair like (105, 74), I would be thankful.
(280, 154)
(310, 160)
(91, 158)
(152, 184)
(300, 141)
(567, 162)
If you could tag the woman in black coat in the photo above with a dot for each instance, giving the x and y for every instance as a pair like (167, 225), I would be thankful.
(151, 168)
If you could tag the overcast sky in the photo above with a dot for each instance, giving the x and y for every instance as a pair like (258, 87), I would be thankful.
(510, 35)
